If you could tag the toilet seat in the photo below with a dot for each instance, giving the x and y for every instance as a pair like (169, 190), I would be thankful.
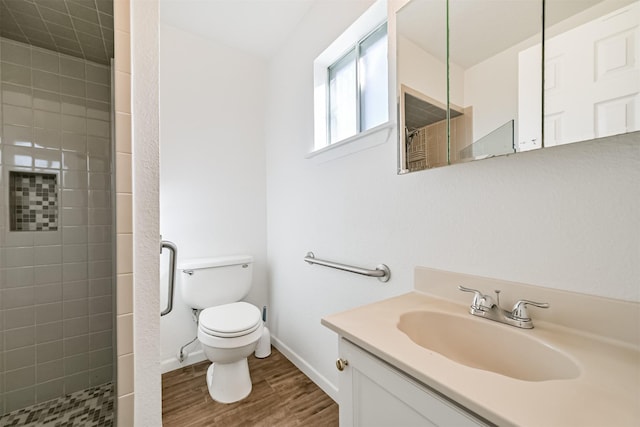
(230, 320)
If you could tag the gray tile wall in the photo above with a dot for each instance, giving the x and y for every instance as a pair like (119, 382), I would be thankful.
(56, 287)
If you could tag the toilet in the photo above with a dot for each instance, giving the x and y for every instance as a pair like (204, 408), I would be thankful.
(228, 328)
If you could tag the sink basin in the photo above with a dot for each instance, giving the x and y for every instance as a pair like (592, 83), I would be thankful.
(484, 344)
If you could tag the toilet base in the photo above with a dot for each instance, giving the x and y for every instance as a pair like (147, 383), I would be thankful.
(229, 382)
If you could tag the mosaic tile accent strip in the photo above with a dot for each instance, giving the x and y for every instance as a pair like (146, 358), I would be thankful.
(92, 407)
(33, 200)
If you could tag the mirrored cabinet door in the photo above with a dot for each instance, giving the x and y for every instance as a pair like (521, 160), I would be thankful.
(422, 84)
(495, 70)
(472, 84)
(592, 73)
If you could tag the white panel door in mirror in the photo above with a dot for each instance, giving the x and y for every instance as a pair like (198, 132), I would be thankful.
(583, 105)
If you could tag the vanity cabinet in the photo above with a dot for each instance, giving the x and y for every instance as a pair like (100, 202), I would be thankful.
(374, 393)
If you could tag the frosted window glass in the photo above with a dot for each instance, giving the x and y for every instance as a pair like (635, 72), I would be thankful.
(373, 80)
(343, 98)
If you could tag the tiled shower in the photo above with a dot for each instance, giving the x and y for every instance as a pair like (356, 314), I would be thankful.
(56, 225)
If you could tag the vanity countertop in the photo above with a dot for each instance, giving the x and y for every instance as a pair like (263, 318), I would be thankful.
(606, 393)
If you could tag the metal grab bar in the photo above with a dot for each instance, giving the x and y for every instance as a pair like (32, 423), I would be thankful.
(173, 255)
(382, 272)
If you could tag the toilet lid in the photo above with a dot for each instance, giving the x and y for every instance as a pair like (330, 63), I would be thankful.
(230, 320)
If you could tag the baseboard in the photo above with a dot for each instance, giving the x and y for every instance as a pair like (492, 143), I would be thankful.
(172, 364)
(307, 369)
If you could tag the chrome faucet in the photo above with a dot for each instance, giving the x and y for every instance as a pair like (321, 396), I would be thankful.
(485, 306)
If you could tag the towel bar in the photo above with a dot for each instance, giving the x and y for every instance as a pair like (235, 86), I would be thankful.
(382, 272)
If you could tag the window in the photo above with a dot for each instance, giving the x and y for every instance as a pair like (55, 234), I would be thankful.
(351, 85)
(358, 88)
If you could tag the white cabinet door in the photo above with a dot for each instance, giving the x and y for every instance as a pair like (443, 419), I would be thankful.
(374, 394)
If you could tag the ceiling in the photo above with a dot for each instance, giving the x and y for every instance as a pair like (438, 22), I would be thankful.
(81, 28)
(258, 27)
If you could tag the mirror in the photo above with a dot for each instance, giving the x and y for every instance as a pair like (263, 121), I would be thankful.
(481, 95)
(602, 38)
(422, 77)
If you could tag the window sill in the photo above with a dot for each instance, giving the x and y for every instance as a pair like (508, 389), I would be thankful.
(363, 141)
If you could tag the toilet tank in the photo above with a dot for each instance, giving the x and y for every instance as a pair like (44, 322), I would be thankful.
(206, 282)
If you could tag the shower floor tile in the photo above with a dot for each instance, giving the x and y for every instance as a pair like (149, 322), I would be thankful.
(92, 407)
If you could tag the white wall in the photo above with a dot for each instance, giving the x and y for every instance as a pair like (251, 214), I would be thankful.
(565, 217)
(212, 164)
(143, 180)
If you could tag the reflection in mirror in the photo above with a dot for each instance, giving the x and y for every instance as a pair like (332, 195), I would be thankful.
(602, 37)
(490, 76)
(494, 79)
(422, 84)
(495, 72)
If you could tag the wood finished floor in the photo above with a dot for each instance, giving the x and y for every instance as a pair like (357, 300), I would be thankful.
(282, 396)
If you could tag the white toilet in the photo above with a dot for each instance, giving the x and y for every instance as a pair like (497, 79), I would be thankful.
(228, 329)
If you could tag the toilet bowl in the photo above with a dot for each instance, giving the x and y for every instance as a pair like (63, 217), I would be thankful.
(228, 328)
(228, 335)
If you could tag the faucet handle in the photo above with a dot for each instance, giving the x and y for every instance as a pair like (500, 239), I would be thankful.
(480, 301)
(520, 308)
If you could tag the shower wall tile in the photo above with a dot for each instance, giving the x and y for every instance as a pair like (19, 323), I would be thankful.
(75, 179)
(101, 216)
(47, 101)
(72, 67)
(123, 132)
(76, 327)
(125, 363)
(100, 340)
(20, 358)
(48, 332)
(43, 238)
(75, 253)
(50, 351)
(47, 313)
(18, 317)
(75, 142)
(75, 308)
(17, 256)
(17, 297)
(77, 345)
(49, 370)
(44, 255)
(99, 234)
(15, 53)
(49, 293)
(100, 180)
(76, 364)
(77, 382)
(49, 390)
(16, 74)
(19, 399)
(45, 61)
(124, 259)
(17, 95)
(16, 277)
(45, 81)
(124, 295)
(98, 110)
(19, 116)
(47, 138)
(19, 337)
(101, 287)
(17, 135)
(47, 120)
(56, 292)
(74, 106)
(45, 274)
